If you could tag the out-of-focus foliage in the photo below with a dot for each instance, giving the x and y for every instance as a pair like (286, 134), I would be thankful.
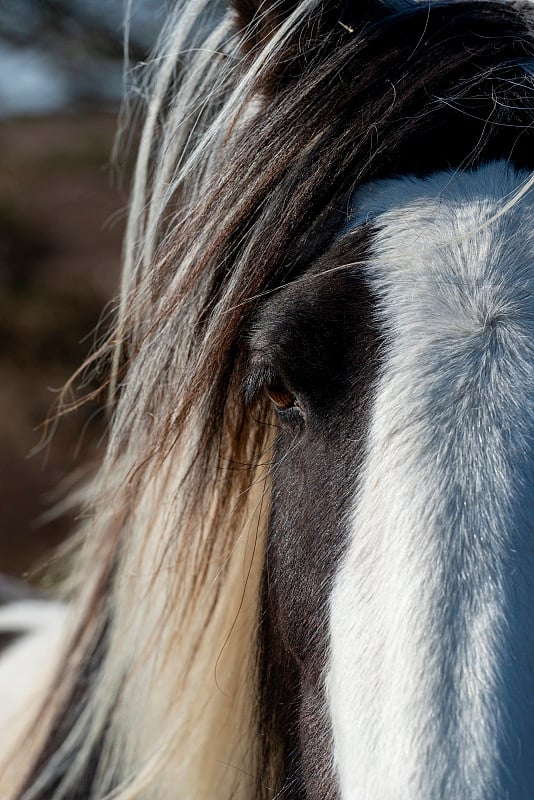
(61, 223)
(57, 54)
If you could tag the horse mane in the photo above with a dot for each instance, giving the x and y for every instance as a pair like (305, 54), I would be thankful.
(257, 129)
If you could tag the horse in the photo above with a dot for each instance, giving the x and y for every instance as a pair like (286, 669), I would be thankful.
(306, 564)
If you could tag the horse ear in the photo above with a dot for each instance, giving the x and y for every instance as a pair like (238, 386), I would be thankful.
(262, 17)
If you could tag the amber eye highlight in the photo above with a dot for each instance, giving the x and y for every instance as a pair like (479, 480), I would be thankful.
(280, 396)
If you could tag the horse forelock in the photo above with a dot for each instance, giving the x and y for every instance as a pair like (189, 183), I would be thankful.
(242, 182)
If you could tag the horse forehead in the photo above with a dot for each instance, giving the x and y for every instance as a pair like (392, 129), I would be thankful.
(416, 209)
(451, 243)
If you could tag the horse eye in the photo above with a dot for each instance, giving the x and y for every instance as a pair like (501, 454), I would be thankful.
(280, 396)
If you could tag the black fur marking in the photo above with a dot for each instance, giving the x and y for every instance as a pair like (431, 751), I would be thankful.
(320, 337)
(7, 638)
(12, 591)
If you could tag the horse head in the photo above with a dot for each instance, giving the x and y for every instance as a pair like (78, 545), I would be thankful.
(310, 560)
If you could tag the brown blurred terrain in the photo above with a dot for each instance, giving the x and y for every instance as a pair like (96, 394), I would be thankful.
(61, 224)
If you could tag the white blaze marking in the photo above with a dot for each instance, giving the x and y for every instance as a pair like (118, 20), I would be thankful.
(430, 680)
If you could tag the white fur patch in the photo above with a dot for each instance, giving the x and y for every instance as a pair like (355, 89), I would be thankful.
(26, 665)
(431, 675)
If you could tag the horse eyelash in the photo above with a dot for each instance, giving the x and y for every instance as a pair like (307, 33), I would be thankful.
(259, 377)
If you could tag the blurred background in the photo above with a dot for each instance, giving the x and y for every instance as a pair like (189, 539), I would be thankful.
(62, 214)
